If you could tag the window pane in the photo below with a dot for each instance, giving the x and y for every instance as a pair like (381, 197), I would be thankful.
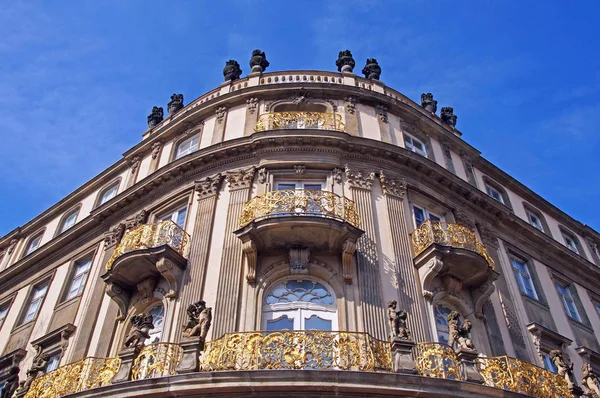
(32, 311)
(188, 146)
(52, 363)
(419, 215)
(109, 194)
(285, 186)
(3, 313)
(180, 219)
(433, 217)
(158, 316)
(548, 364)
(33, 244)
(313, 187)
(69, 221)
(316, 323)
(283, 323)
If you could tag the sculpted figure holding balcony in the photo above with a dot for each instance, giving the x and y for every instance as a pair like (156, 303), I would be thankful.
(589, 381)
(40, 361)
(565, 369)
(200, 319)
(140, 331)
(397, 321)
(459, 334)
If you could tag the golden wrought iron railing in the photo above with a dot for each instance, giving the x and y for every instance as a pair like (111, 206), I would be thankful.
(300, 202)
(156, 360)
(78, 376)
(447, 234)
(152, 235)
(436, 360)
(522, 377)
(300, 120)
(310, 349)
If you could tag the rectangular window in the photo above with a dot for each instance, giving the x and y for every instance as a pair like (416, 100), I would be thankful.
(422, 214)
(177, 216)
(80, 275)
(414, 145)
(188, 146)
(494, 193)
(52, 363)
(565, 295)
(3, 314)
(524, 278)
(535, 221)
(33, 244)
(38, 294)
(570, 243)
(548, 364)
(291, 185)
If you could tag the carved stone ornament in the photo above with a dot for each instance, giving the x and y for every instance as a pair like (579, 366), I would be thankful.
(146, 288)
(350, 104)
(448, 116)
(564, 367)
(428, 102)
(140, 331)
(382, 113)
(488, 236)
(258, 61)
(397, 322)
(463, 219)
(446, 149)
(459, 334)
(372, 70)
(137, 220)
(232, 70)
(134, 163)
(199, 320)
(299, 260)
(208, 186)
(301, 97)
(337, 175)
(392, 186)
(240, 179)
(38, 367)
(155, 117)
(220, 112)
(262, 175)
(176, 104)
(252, 105)
(156, 147)
(299, 169)
(114, 235)
(359, 179)
(589, 381)
(345, 62)
(12, 245)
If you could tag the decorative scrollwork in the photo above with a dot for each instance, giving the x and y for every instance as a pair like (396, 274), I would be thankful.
(309, 349)
(152, 235)
(521, 377)
(300, 202)
(299, 120)
(436, 360)
(448, 234)
(78, 376)
(156, 360)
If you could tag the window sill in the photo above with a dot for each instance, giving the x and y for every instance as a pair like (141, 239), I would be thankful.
(537, 302)
(23, 326)
(66, 303)
(581, 325)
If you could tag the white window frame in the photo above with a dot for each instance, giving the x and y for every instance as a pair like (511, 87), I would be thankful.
(531, 217)
(79, 278)
(573, 246)
(63, 224)
(491, 192)
(34, 243)
(427, 213)
(174, 215)
(36, 300)
(523, 277)
(568, 302)
(105, 196)
(409, 143)
(193, 143)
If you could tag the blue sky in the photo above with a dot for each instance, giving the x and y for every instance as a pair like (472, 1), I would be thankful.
(77, 79)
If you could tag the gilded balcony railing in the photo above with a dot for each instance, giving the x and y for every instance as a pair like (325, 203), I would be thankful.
(152, 235)
(436, 360)
(78, 376)
(300, 120)
(448, 234)
(310, 349)
(300, 202)
(156, 360)
(522, 377)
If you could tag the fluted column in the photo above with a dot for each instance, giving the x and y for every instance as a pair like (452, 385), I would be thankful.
(371, 301)
(195, 276)
(228, 291)
(408, 290)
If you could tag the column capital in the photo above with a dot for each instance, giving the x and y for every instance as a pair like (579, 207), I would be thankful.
(488, 236)
(240, 179)
(392, 186)
(208, 186)
(359, 179)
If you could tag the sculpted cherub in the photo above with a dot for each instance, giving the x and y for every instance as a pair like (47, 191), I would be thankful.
(200, 319)
(458, 334)
(140, 331)
(589, 381)
(397, 322)
(565, 369)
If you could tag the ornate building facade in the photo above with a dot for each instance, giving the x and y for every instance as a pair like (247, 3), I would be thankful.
(301, 233)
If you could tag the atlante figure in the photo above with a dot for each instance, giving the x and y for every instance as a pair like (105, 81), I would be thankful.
(200, 319)
(397, 321)
(459, 334)
(140, 331)
(38, 367)
(589, 381)
(565, 369)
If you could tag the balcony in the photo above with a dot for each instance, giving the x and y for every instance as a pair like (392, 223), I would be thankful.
(144, 254)
(299, 350)
(78, 376)
(156, 360)
(299, 120)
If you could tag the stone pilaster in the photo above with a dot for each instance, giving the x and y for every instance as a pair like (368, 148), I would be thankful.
(195, 275)
(468, 365)
(351, 116)
(220, 122)
(448, 157)
(468, 166)
(134, 166)
(156, 151)
(408, 290)
(251, 116)
(369, 279)
(228, 290)
(384, 125)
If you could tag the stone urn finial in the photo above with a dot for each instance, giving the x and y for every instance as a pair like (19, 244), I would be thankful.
(372, 70)
(448, 116)
(155, 117)
(232, 70)
(345, 62)
(428, 102)
(176, 104)
(258, 61)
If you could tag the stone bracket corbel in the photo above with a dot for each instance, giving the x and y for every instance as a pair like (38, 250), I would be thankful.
(427, 274)
(483, 292)
(171, 273)
(120, 296)
(249, 249)
(348, 251)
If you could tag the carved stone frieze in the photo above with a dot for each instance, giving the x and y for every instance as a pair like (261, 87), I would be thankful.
(382, 113)
(350, 104)
(208, 186)
(337, 175)
(334, 107)
(262, 175)
(240, 179)
(357, 178)
(488, 236)
(252, 105)
(156, 147)
(137, 220)
(114, 235)
(392, 186)
(221, 112)
(464, 219)
(299, 169)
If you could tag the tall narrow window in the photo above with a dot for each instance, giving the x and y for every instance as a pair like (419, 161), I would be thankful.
(524, 278)
(535, 221)
(548, 364)
(53, 362)
(68, 221)
(3, 314)
(570, 242)
(441, 323)
(34, 243)
(567, 299)
(414, 145)
(187, 146)
(108, 193)
(177, 216)
(494, 193)
(158, 317)
(38, 294)
(80, 275)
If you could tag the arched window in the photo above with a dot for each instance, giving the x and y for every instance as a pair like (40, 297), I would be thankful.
(299, 304)
(158, 317)
(187, 146)
(68, 220)
(441, 323)
(107, 193)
